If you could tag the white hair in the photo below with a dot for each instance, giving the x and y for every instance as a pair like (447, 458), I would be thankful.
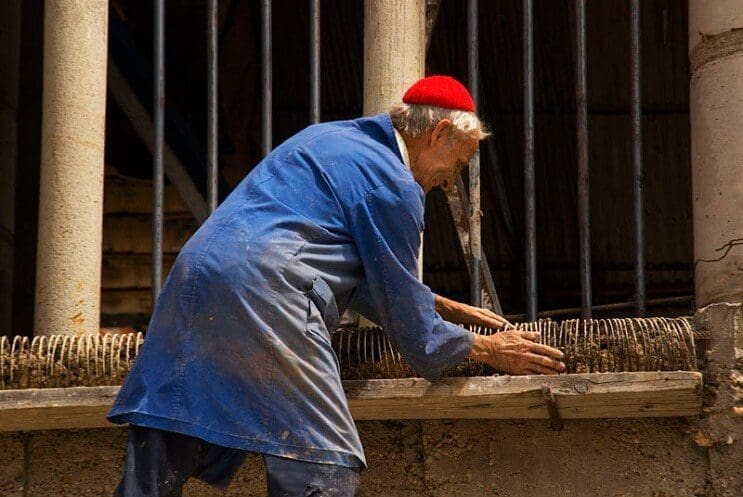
(416, 120)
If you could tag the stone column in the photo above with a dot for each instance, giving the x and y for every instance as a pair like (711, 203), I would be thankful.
(68, 264)
(394, 59)
(394, 56)
(10, 40)
(394, 50)
(716, 112)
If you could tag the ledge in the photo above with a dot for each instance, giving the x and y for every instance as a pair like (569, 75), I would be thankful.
(596, 395)
(591, 395)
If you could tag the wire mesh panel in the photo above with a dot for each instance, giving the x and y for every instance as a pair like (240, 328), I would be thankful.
(590, 346)
(67, 361)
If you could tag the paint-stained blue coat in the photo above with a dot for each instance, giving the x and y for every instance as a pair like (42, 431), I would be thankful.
(238, 350)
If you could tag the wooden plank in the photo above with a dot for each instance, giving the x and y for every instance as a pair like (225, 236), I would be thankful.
(122, 194)
(598, 395)
(607, 395)
(133, 233)
(130, 271)
(458, 202)
(115, 301)
(56, 408)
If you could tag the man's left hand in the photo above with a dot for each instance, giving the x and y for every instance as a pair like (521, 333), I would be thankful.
(457, 312)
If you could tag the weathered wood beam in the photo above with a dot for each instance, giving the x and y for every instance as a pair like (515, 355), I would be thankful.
(56, 408)
(126, 301)
(125, 195)
(458, 202)
(132, 233)
(608, 395)
(598, 395)
(130, 271)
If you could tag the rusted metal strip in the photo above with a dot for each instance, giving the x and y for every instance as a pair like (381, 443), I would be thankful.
(530, 245)
(549, 400)
(475, 212)
(638, 179)
(266, 78)
(158, 174)
(315, 61)
(581, 104)
(212, 109)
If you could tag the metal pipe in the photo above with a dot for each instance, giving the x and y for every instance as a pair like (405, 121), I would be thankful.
(266, 77)
(212, 110)
(158, 171)
(584, 222)
(474, 168)
(530, 215)
(638, 179)
(617, 306)
(314, 61)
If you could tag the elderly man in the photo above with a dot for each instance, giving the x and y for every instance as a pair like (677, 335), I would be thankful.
(238, 354)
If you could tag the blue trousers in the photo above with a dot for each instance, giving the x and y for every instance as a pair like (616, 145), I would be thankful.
(158, 464)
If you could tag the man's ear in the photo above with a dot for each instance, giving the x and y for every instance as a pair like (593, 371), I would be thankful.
(441, 131)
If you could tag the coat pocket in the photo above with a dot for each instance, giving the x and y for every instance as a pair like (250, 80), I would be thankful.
(320, 294)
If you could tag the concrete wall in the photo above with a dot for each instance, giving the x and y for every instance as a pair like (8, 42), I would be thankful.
(414, 458)
(694, 457)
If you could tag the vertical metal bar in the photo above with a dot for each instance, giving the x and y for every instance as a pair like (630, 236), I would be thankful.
(474, 168)
(266, 76)
(638, 179)
(581, 103)
(158, 173)
(314, 61)
(212, 95)
(530, 243)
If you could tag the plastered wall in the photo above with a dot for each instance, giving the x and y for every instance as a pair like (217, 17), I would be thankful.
(414, 458)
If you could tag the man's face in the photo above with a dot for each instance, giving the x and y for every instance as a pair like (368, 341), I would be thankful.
(444, 155)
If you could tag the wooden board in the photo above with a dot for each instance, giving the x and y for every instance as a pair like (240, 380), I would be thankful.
(56, 408)
(124, 195)
(597, 395)
(114, 301)
(608, 395)
(130, 271)
(133, 233)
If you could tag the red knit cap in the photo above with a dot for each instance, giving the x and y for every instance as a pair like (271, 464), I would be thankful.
(440, 91)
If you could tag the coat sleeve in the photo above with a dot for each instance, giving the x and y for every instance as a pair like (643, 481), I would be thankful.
(386, 227)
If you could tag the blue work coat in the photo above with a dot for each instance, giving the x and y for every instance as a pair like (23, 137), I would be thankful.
(238, 350)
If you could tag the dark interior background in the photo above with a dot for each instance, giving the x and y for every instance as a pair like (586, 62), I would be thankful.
(666, 147)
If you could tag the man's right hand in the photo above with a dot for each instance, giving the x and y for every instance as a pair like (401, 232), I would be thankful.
(517, 353)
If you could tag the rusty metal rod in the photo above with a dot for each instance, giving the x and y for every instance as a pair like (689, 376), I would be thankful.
(158, 171)
(266, 78)
(212, 95)
(638, 179)
(581, 103)
(617, 306)
(473, 64)
(530, 244)
(315, 33)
